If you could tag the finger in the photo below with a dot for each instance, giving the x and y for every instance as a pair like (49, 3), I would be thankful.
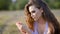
(23, 32)
(19, 25)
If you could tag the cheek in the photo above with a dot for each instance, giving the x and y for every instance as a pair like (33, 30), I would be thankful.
(38, 14)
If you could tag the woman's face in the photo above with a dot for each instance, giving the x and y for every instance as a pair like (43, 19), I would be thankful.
(35, 12)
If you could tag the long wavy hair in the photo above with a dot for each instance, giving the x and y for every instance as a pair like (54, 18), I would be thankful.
(47, 14)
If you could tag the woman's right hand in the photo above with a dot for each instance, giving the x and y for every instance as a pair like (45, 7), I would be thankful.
(21, 27)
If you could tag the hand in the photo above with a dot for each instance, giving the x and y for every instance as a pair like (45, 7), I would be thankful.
(21, 27)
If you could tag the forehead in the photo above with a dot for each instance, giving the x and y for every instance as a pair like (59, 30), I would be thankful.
(31, 8)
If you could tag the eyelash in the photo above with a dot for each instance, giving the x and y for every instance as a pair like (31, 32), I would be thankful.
(33, 11)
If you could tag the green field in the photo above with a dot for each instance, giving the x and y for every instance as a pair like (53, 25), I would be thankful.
(9, 18)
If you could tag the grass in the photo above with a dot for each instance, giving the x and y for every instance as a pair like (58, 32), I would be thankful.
(3, 19)
(11, 29)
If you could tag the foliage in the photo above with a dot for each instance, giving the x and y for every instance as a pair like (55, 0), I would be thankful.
(4, 4)
(8, 5)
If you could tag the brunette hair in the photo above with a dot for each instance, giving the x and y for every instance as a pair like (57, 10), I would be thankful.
(47, 14)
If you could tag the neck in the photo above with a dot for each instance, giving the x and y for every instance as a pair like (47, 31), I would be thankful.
(41, 20)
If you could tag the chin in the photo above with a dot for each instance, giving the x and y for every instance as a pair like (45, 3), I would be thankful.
(35, 19)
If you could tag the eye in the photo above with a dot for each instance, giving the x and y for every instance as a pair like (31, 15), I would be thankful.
(38, 7)
(33, 11)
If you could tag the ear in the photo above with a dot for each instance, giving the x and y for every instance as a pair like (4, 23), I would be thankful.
(41, 9)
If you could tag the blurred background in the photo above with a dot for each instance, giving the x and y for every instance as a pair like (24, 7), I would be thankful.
(12, 11)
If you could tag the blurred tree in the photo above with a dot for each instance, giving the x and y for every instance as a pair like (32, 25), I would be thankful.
(13, 5)
(4, 4)
(23, 3)
(54, 4)
(20, 4)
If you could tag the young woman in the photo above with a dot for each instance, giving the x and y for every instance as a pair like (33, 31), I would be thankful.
(39, 19)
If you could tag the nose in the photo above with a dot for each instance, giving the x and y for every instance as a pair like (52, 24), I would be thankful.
(32, 15)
